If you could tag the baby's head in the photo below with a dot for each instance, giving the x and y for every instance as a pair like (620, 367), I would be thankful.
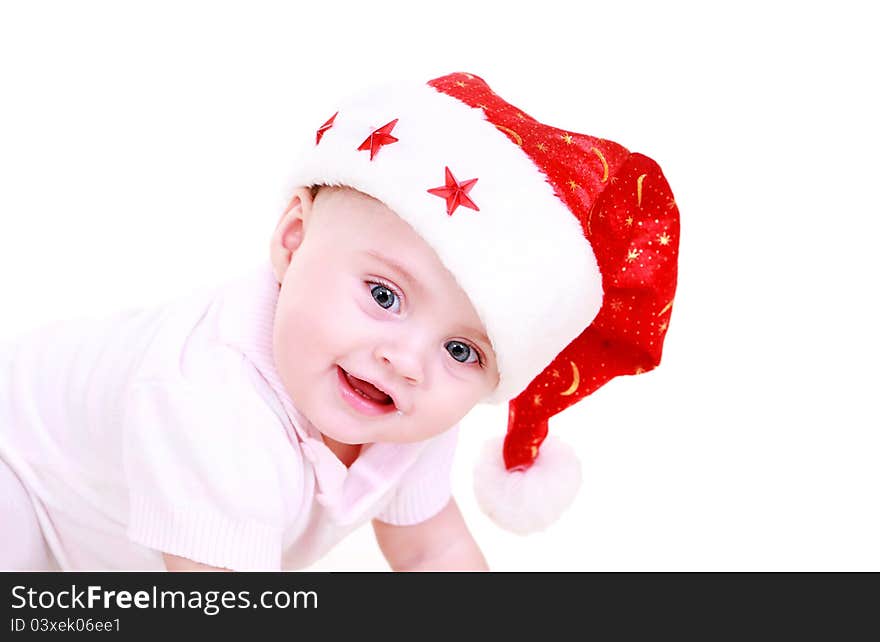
(542, 264)
(365, 299)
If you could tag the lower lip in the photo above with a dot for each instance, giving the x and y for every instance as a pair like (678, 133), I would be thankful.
(356, 401)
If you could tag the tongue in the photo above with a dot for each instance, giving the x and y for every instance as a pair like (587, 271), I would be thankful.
(369, 389)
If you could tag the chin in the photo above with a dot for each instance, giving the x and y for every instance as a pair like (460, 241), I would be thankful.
(348, 442)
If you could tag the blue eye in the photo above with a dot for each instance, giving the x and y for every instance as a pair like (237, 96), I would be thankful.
(461, 352)
(384, 295)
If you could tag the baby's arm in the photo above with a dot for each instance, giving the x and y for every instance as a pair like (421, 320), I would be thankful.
(441, 543)
(175, 563)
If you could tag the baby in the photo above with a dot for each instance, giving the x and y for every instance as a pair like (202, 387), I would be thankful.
(440, 249)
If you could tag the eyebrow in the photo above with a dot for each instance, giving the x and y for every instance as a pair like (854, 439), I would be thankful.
(403, 272)
(397, 267)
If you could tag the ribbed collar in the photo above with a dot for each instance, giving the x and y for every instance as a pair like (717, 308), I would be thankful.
(245, 321)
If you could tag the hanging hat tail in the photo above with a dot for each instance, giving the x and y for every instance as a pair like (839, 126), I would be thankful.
(633, 227)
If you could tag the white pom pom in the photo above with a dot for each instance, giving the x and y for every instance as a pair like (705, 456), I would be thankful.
(530, 500)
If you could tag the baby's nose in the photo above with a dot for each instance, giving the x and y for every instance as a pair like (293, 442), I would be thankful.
(405, 362)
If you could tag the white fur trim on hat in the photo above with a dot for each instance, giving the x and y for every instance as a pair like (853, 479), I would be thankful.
(530, 500)
(522, 259)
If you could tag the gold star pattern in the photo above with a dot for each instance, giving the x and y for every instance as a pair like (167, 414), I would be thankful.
(520, 116)
(573, 185)
(460, 84)
(537, 400)
(615, 305)
(542, 147)
(629, 220)
(555, 373)
(664, 239)
(663, 326)
(632, 255)
(639, 370)
(567, 138)
(481, 106)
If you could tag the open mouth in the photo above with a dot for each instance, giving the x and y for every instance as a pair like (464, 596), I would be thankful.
(362, 395)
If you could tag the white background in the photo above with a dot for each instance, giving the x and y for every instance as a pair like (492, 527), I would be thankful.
(144, 149)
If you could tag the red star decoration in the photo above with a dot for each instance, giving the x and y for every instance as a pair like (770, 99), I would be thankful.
(455, 193)
(378, 138)
(323, 128)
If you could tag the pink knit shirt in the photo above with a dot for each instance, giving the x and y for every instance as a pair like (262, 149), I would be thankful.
(168, 430)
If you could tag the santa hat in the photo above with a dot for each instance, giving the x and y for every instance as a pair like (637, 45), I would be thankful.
(565, 244)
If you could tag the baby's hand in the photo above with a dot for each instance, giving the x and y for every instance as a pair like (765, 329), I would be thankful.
(441, 543)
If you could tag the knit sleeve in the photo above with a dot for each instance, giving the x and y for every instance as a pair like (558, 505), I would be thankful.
(203, 474)
(427, 486)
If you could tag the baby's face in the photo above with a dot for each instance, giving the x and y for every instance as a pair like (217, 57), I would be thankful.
(344, 312)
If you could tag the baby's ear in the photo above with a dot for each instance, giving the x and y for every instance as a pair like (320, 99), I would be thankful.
(290, 231)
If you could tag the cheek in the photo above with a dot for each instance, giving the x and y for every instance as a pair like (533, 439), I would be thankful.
(443, 412)
(288, 346)
(297, 330)
(320, 319)
(456, 396)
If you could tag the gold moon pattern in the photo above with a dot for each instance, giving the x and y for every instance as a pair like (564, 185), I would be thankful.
(604, 164)
(510, 132)
(574, 384)
(639, 181)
